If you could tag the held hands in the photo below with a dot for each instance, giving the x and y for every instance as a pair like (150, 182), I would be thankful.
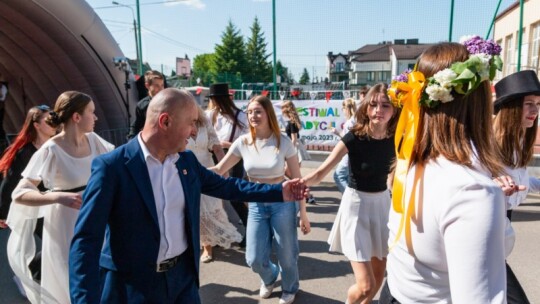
(508, 185)
(294, 190)
(3, 224)
(68, 199)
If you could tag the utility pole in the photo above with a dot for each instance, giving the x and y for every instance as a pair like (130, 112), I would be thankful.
(139, 34)
(138, 58)
(274, 69)
(451, 20)
(520, 34)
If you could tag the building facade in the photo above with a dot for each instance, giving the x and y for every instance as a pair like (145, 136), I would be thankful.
(183, 67)
(506, 33)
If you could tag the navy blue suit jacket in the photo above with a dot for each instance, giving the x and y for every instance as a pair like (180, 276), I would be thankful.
(119, 205)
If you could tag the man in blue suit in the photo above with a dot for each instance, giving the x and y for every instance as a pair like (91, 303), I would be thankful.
(143, 199)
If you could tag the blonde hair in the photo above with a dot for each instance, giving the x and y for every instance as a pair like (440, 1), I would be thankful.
(349, 107)
(266, 103)
(288, 109)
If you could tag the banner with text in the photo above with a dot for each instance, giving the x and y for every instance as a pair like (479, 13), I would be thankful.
(318, 118)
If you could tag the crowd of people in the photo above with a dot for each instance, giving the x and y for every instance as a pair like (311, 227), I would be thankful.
(430, 169)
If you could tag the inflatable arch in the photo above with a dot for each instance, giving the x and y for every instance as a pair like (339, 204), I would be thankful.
(50, 46)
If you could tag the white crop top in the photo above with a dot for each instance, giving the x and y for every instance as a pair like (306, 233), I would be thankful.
(265, 161)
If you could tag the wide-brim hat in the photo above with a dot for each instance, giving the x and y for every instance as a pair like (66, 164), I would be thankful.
(514, 86)
(219, 89)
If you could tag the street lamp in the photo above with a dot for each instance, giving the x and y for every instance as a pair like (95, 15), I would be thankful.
(137, 31)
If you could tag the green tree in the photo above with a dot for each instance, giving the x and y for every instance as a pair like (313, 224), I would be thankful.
(283, 72)
(260, 69)
(202, 68)
(230, 57)
(304, 79)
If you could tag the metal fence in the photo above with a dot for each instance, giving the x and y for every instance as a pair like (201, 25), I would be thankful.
(117, 137)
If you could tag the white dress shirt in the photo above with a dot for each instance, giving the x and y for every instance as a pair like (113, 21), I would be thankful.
(170, 203)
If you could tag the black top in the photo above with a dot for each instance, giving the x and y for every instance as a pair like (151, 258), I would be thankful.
(369, 161)
(140, 117)
(14, 176)
(291, 128)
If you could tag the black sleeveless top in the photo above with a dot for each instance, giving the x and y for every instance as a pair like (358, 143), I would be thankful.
(369, 161)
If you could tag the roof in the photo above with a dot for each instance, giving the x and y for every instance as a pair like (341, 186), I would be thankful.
(381, 52)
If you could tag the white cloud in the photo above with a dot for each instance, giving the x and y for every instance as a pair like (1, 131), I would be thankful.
(196, 4)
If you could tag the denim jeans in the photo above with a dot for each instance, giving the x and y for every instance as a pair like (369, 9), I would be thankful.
(341, 174)
(268, 221)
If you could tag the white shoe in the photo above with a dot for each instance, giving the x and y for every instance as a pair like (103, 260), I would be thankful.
(266, 290)
(287, 298)
(19, 286)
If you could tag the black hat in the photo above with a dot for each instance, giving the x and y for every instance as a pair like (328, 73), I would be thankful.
(514, 86)
(219, 89)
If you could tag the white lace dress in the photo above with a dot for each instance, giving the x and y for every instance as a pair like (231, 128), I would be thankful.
(216, 230)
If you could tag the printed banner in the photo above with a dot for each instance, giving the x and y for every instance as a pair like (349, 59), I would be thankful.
(318, 118)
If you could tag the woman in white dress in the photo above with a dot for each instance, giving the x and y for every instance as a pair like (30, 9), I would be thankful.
(63, 165)
(216, 230)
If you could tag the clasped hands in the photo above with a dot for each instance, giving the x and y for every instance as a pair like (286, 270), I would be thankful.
(294, 190)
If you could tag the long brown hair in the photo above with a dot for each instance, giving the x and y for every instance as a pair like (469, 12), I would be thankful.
(361, 125)
(288, 109)
(515, 143)
(459, 129)
(266, 103)
(27, 135)
(227, 108)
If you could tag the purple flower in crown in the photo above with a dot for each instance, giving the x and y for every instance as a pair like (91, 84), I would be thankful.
(477, 45)
(403, 77)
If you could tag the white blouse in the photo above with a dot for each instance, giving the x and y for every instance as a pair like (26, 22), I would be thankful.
(224, 125)
(458, 237)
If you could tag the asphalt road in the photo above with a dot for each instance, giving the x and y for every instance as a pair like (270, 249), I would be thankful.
(324, 277)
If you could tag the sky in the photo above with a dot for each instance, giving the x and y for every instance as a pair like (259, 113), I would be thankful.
(306, 30)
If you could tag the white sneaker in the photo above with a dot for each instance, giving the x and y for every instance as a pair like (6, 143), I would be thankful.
(266, 290)
(19, 286)
(287, 298)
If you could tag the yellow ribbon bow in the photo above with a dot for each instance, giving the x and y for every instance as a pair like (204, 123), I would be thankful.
(406, 94)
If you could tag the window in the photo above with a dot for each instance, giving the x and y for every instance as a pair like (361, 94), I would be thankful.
(370, 76)
(339, 67)
(383, 76)
(509, 62)
(535, 47)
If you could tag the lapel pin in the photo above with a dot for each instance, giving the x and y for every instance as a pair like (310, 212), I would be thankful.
(184, 172)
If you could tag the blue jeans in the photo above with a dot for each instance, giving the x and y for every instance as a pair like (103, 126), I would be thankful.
(341, 174)
(267, 221)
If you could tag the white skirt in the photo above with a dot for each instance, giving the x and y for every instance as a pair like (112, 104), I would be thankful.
(360, 230)
(216, 230)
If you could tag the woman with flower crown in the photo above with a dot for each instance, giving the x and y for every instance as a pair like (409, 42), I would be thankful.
(447, 226)
(63, 165)
(515, 125)
(360, 231)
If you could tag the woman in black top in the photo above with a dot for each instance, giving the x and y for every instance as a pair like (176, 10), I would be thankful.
(33, 134)
(292, 129)
(360, 230)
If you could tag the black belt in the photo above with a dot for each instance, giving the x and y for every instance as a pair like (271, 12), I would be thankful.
(74, 190)
(167, 264)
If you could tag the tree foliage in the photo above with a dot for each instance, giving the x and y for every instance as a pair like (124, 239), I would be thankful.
(304, 79)
(202, 68)
(260, 69)
(230, 57)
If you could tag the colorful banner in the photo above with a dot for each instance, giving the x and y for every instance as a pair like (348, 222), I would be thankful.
(318, 117)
